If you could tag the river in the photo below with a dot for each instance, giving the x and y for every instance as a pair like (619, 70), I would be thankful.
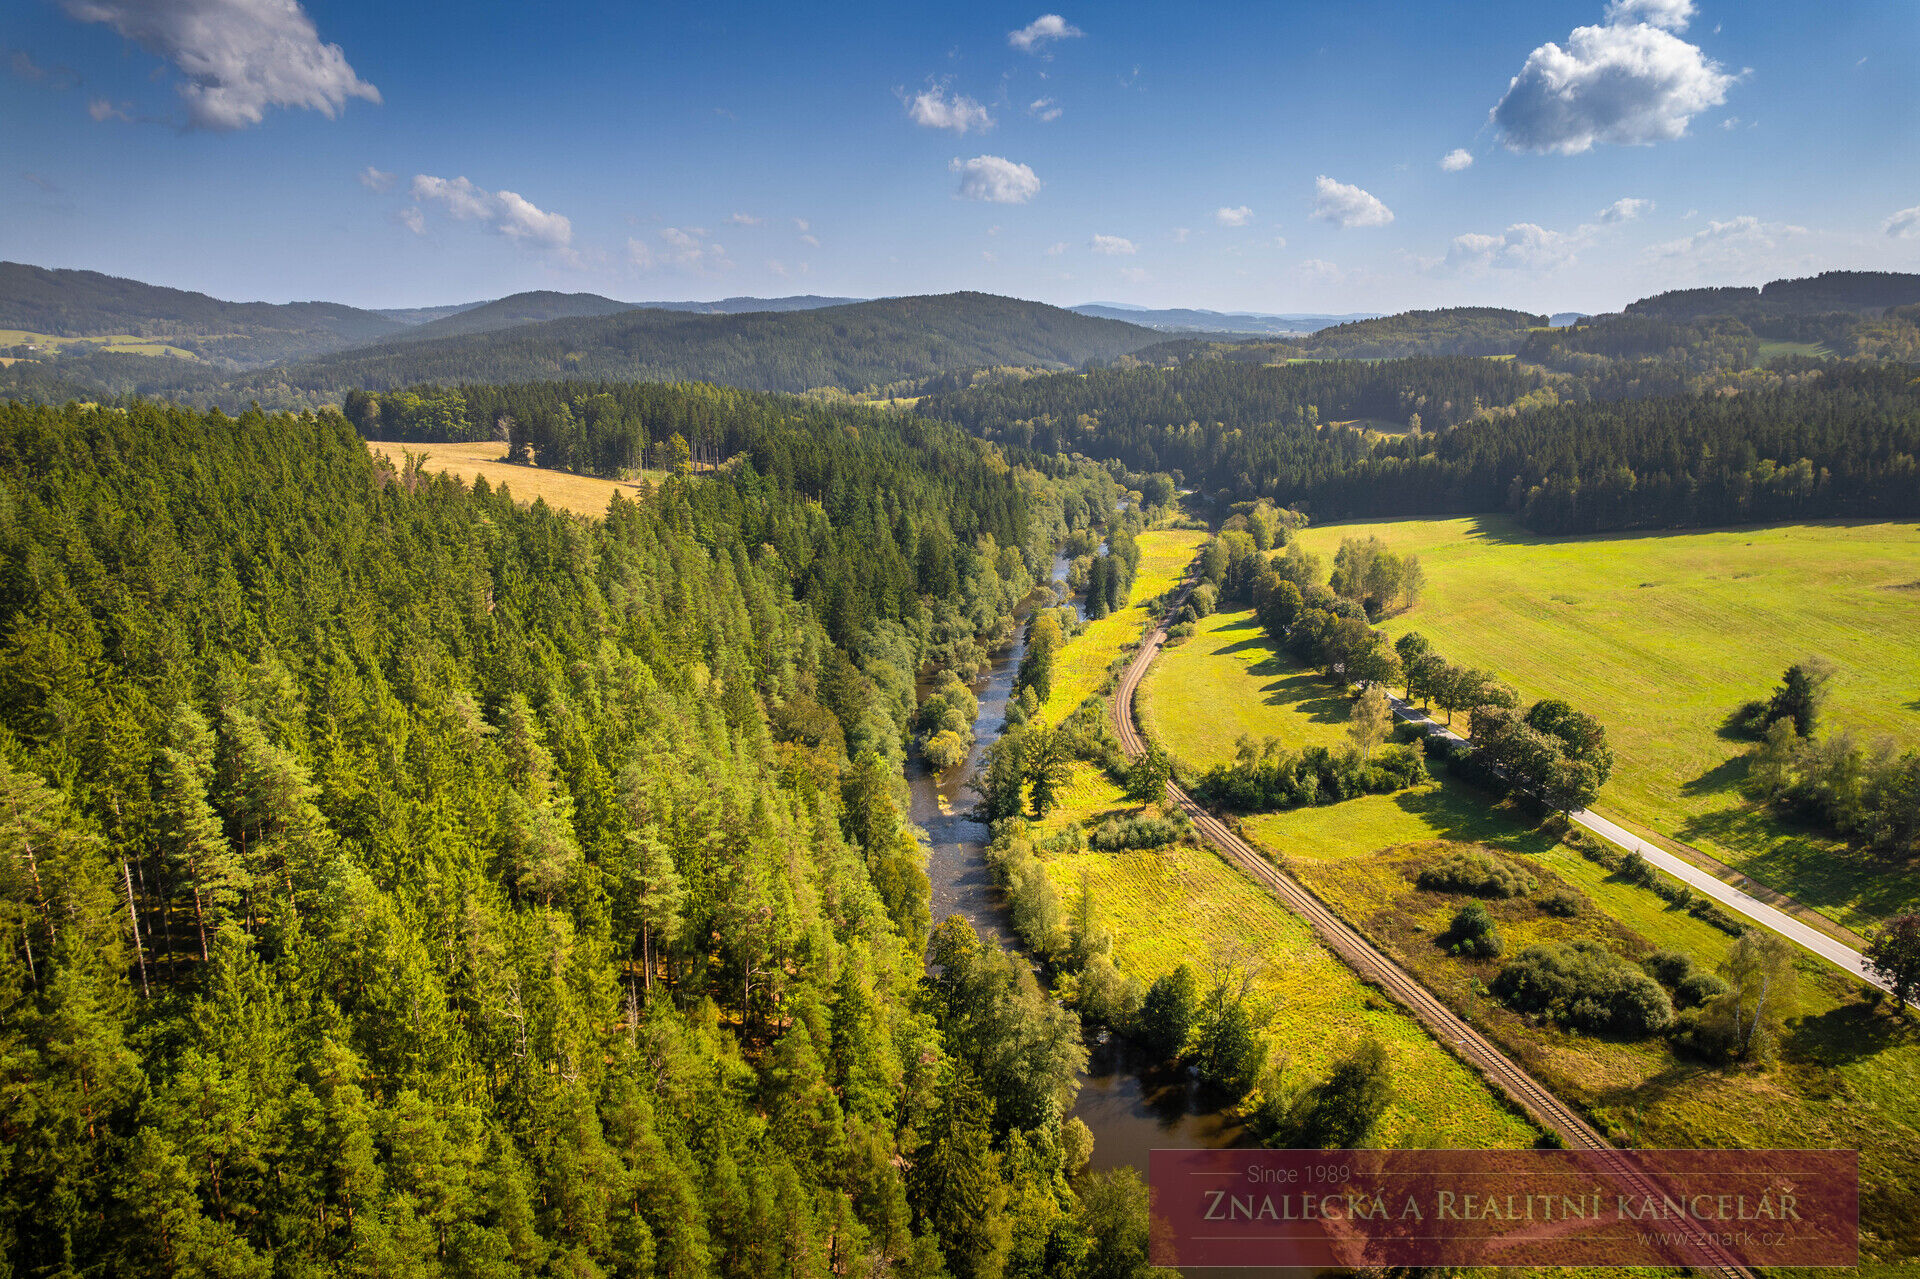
(1128, 1110)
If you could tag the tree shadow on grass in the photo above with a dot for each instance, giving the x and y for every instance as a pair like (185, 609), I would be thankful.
(1307, 694)
(1725, 776)
(1805, 863)
(1452, 814)
(1678, 1083)
(1851, 1031)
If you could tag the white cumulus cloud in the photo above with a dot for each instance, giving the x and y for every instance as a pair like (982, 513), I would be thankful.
(1346, 205)
(1670, 15)
(1114, 245)
(505, 212)
(1743, 245)
(376, 179)
(995, 179)
(1044, 110)
(935, 110)
(1625, 209)
(743, 219)
(1905, 224)
(1630, 82)
(1457, 159)
(1034, 37)
(1238, 215)
(238, 57)
(690, 249)
(1522, 246)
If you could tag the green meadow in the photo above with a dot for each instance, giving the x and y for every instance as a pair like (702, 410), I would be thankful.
(1661, 636)
(1846, 1076)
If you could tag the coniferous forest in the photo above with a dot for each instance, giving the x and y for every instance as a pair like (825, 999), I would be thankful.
(399, 880)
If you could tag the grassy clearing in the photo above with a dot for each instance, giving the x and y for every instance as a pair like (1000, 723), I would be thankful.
(1661, 635)
(1770, 350)
(119, 343)
(1082, 665)
(581, 494)
(1849, 1072)
(1205, 692)
(1185, 904)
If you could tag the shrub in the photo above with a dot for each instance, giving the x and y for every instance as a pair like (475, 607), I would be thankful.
(1479, 873)
(1697, 989)
(1585, 985)
(1668, 967)
(1636, 869)
(1564, 902)
(1184, 630)
(1120, 833)
(1343, 1112)
(1473, 934)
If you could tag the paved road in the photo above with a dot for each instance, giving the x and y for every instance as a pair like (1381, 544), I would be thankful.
(1364, 958)
(1836, 953)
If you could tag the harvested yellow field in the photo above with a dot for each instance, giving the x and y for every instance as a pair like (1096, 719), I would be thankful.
(581, 494)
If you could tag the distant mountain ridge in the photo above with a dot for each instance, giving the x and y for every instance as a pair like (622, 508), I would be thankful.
(1864, 292)
(1188, 319)
(852, 347)
(68, 303)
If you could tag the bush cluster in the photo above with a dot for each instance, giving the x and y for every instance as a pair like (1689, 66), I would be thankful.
(1117, 834)
(1473, 934)
(1635, 869)
(1479, 873)
(1691, 987)
(1270, 778)
(1584, 985)
(1564, 902)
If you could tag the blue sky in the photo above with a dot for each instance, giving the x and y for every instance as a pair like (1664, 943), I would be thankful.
(1280, 157)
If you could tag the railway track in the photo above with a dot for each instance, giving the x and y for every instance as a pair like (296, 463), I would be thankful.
(1374, 966)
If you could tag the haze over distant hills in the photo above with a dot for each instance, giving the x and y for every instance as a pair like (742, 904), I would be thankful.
(306, 353)
(67, 303)
(851, 346)
(1183, 319)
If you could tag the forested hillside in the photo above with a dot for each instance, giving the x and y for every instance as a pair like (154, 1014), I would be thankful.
(233, 334)
(521, 308)
(853, 347)
(1865, 292)
(1463, 330)
(1824, 441)
(866, 344)
(400, 881)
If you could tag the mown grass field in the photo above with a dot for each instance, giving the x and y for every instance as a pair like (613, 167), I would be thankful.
(1849, 1073)
(581, 494)
(1187, 905)
(1082, 665)
(1202, 694)
(1661, 636)
(1772, 349)
(121, 343)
